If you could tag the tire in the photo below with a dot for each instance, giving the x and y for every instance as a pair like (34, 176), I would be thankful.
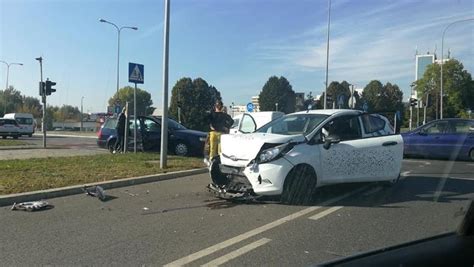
(4, 137)
(30, 135)
(111, 146)
(471, 154)
(392, 182)
(15, 137)
(300, 186)
(181, 149)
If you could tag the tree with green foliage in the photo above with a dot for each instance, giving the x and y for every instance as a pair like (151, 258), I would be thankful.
(144, 102)
(277, 91)
(458, 90)
(336, 90)
(11, 100)
(382, 98)
(195, 99)
(31, 105)
(67, 113)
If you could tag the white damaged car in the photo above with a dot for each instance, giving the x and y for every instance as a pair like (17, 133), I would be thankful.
(293, 155)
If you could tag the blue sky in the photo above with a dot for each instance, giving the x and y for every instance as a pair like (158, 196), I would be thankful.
(235, 45)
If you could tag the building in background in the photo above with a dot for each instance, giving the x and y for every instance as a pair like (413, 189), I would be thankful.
(256, 105)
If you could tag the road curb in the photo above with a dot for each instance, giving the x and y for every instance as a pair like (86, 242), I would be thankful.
(8, 200)
(19, 147)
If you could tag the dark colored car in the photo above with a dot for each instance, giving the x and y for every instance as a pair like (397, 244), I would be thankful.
(181, 141)
(447, 138)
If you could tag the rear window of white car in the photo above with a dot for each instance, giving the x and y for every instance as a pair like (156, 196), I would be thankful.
(27, 121)
(373, 123)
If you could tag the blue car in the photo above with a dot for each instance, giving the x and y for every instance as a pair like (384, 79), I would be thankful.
(447, 138)
(181, 141)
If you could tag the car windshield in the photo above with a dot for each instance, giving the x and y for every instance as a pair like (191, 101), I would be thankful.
(293, 124)
(175, 125)
(27, 121)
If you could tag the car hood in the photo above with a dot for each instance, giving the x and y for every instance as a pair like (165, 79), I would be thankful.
(191, 132)
(241, 149)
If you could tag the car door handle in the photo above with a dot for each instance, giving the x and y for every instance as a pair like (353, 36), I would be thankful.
(390, 143)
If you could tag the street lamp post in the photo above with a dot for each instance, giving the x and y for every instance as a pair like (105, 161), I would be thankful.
(119, 29)
(6, 87)
(442, 63)
(327, 55)
(82, 99)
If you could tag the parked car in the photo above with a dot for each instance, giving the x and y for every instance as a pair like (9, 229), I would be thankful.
(181, 141)
(9, 127)
(447, 138)
(26, 122)
(293, 155)
(251, 121)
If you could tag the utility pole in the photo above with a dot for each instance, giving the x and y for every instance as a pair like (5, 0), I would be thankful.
(82, 119)
(327, 54)
(164, 117)
(43, 97)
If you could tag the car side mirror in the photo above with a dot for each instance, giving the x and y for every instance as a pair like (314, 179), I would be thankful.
(332, 139)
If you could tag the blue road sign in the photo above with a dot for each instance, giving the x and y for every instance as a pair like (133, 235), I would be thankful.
(136, 73)
(365, 107)
(340, 100)
(398, 115)
(117, 109)
(249, 107)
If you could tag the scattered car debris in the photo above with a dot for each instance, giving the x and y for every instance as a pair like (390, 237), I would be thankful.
(31, 206)
(95, 191)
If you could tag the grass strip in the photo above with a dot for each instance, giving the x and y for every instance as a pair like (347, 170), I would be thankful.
(17, 176)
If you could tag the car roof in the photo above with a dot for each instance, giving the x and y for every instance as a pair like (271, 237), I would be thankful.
(331, 112)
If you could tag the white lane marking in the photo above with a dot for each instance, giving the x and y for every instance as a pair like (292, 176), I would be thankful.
(373, 191)
(404, 174)
(462, 178)
(236, 253)
(324, 213)
(417, 161)
(259, 230)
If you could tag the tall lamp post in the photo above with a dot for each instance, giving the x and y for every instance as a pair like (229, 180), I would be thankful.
(327, 54)
(82, 114)
(119, 29)
(6, 87)
(442, 63)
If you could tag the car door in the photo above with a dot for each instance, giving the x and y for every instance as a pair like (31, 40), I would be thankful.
(340, 162)
(433, 140)
(357, 159)
(458, 139)
(151, 134)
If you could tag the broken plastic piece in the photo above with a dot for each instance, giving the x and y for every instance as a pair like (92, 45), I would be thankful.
(30, 206)
(95, 191)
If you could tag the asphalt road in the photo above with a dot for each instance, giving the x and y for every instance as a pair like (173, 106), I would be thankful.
(57, 146)
(177, 222)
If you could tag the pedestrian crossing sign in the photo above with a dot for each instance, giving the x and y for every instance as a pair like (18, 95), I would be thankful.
(135, 73)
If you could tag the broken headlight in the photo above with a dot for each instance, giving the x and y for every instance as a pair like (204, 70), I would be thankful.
(273, 153)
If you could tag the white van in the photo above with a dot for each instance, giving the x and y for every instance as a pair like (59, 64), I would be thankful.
(249, 122)
(25, 120)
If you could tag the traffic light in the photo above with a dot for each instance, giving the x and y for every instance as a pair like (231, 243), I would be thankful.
(41, 88)
(413, 102)
(49, 85)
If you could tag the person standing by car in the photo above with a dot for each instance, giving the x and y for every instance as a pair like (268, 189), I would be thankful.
(120, 128)
(220, 123)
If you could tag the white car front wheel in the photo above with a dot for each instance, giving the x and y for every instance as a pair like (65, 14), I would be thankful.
(300, 186)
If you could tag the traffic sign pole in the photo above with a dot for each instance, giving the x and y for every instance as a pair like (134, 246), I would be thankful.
(135, 119)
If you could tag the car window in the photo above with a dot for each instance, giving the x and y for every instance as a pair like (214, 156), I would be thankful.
(294, 124)
(27, 121)
(173, 125)
(248, 124)
(437, 127)
(372, 123)
(345, 127)
(151, 126)
(461, 127)
(110, 123)
(236, 123)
